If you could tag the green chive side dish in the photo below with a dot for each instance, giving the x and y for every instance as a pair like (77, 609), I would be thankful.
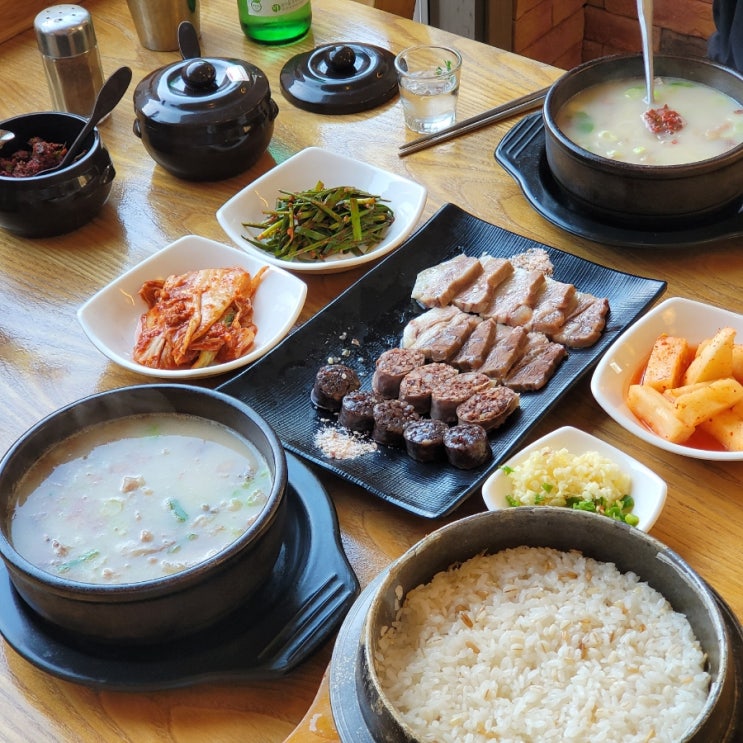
(322, 222)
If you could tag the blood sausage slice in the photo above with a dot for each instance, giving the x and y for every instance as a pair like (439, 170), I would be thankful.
(489, 408)
(332, 382)
(424, 440)
(446, 396)
(390, 419)
(438, 285)
(417, 386)
(357, 410)
(390, 368)
(466, 446)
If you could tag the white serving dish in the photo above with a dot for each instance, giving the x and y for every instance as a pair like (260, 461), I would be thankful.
(648, 490)
(623, 361)
(110, 317)
(301, 172)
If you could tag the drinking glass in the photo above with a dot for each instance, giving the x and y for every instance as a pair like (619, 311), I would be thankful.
(428, 78)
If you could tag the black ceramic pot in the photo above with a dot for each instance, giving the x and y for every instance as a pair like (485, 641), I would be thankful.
(60, 201)
(595, 536)
(646, 196)
(205, 119)
(164, 608)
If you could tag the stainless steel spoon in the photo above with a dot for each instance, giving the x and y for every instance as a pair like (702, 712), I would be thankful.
(645, 14)
(5, 136)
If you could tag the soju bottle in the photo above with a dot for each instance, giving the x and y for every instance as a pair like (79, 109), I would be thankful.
(275, 21)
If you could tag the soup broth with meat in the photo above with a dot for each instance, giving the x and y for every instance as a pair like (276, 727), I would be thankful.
(609, 119)
(138, 498)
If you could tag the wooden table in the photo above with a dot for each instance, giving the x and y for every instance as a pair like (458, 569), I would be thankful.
(46, 361)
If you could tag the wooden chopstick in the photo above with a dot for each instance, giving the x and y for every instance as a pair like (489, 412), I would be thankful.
(505, 110)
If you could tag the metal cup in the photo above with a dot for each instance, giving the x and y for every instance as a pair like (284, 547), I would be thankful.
(157, 21)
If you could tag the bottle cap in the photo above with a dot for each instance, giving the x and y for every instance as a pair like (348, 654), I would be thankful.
(64, 31)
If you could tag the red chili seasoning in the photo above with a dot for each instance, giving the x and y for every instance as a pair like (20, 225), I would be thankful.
(663, 120)
(40, 156)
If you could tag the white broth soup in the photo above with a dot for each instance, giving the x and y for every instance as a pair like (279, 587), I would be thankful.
(608, 119)
(138, 498)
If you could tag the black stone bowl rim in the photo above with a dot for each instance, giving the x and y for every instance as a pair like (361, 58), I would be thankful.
(550, 110)
(177, 582)
(493, 531)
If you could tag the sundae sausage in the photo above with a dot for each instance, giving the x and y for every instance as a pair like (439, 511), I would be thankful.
(357, 410)
(392, 366)
(424, 440)
(466, 446)
(390, 419)
(332, 382)
(449, 394)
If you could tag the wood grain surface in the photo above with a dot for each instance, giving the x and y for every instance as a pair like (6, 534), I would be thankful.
(46, 361)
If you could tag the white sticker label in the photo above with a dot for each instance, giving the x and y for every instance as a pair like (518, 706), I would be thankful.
(267, 8)
(236, 73)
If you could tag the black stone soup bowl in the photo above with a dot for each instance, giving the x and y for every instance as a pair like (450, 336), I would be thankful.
(62, 200)
(595, 536)
(646, 196)
(167, 607)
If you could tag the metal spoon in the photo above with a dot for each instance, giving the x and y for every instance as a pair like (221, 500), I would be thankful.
(645, 14)
(108, 96)
(5, 136)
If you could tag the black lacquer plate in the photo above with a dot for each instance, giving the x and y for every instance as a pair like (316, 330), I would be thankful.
(347, 690)
(521, 152)
(306, 597)
(369, 317)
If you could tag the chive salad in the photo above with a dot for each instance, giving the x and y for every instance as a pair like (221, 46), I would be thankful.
(322, 222)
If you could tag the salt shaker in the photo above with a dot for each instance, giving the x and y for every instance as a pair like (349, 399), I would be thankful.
(72, 62)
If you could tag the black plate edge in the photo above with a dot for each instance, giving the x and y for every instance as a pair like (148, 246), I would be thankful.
(521, 154)
(320, 612)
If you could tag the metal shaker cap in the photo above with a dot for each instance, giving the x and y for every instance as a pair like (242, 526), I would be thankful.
(64, 31)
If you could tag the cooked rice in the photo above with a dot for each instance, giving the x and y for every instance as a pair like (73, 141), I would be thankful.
(534, 644)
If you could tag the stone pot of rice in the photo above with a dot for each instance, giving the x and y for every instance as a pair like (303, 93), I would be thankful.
(545, 624)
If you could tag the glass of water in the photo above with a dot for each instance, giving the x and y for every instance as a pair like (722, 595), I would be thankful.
(428, 78)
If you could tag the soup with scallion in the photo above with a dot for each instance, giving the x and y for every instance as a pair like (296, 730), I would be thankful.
(138, 498)
(609, 119)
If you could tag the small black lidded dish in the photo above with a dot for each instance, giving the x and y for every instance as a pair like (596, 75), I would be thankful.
(204, 119)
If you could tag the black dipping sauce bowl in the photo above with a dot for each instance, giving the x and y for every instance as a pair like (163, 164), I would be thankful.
(62, 200)
(164, 608)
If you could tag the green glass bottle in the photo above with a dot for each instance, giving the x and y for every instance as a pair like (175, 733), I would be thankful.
(275, 21)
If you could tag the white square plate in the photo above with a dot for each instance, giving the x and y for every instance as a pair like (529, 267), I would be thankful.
(625, 358)
(301, 172)
(110, 317)
(648, 490)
